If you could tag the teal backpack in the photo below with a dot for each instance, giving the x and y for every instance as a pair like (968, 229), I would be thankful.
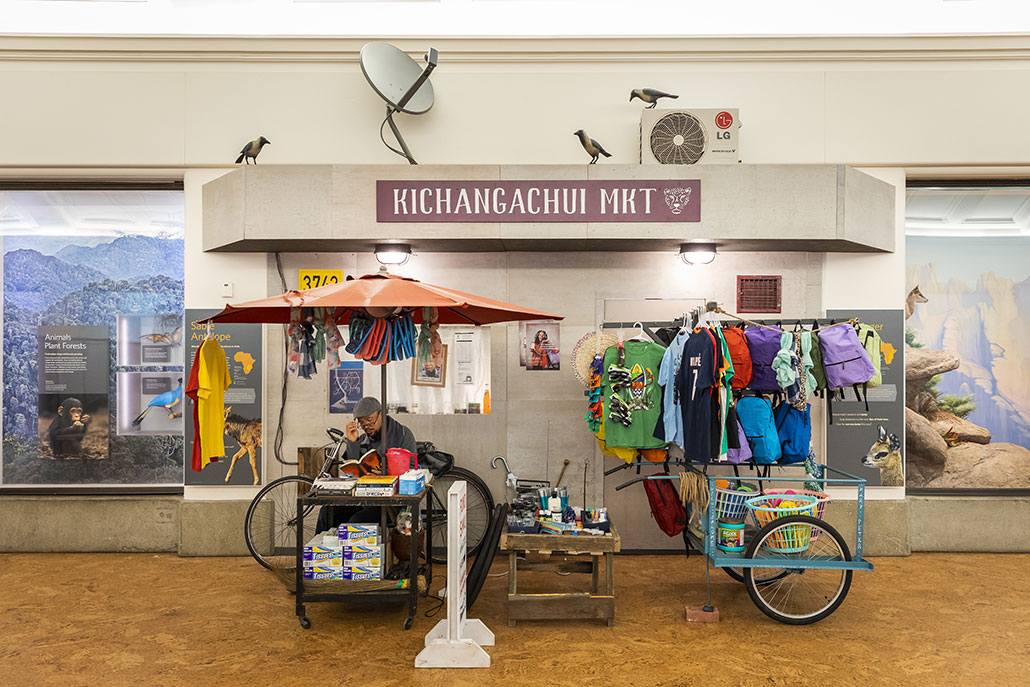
(756, 418)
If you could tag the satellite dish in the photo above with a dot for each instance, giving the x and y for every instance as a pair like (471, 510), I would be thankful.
(398, 80)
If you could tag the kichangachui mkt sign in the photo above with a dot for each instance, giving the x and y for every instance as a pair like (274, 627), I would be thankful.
(634, 200)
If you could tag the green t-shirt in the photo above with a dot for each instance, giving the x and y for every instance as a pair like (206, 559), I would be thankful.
(642, 394)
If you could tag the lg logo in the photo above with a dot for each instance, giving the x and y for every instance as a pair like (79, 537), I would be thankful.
(723, 120)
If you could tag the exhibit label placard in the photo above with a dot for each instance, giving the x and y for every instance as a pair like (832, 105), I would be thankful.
(855, 431)
(74, 369)
(630, 200)
(242, 344)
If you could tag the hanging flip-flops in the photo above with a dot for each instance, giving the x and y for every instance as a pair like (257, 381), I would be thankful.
(383, 340)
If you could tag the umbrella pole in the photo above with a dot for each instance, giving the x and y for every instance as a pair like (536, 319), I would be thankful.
(382, 430)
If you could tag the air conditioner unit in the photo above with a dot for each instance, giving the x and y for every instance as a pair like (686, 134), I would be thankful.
(689, 137)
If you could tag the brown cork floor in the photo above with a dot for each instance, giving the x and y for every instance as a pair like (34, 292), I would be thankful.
(113, 619)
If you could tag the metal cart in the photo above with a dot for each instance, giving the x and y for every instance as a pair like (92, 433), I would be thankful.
(339, 590)
(796, 569)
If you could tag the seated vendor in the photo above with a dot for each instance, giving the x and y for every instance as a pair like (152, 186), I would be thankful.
(368, 415)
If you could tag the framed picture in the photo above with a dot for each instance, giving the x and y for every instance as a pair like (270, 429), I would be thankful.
(433, 372)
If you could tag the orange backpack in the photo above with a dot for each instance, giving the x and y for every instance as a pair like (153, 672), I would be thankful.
(739, 354)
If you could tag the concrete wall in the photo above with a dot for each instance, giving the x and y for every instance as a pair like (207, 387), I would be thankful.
(182, 108)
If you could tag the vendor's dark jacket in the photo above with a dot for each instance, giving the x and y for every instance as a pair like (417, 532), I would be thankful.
(397, 436)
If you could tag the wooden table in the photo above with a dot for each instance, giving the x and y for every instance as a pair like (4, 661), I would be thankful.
(567, 605)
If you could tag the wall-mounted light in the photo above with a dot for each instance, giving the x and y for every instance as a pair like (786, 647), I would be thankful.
(697, 253)
(392, 253)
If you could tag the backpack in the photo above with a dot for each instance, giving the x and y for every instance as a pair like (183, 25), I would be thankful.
(756, 418)
(870, 340)
(666, 508)
(736, 342)
(742, 454)
(794, 429)
(817, 361)
(763, 344)
(845, 362)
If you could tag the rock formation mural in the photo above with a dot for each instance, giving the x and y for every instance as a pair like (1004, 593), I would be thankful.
(967, 365)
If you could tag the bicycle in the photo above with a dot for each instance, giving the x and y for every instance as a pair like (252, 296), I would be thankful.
(270, 526)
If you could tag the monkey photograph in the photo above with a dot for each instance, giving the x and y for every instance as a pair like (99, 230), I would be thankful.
(73, 431)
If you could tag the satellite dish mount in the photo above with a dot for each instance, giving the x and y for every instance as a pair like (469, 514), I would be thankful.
(401, 83)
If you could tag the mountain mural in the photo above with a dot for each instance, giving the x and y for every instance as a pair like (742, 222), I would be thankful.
(130, 257)
(34, 281)
(988, 326)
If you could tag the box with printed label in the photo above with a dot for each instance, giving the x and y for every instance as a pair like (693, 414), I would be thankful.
(412, 482)
(357, 552)
(362, 573)
(354, 530)
(376, 485)
(376, 563)
(323, 573)
(315, 550)
(335, 562)
(366, 541)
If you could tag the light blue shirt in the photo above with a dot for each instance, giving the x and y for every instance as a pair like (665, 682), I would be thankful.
(671, 416)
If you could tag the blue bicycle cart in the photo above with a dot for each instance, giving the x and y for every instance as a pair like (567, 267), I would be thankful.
(796, 567)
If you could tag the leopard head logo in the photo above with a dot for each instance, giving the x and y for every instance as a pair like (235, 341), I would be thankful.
(677, 199)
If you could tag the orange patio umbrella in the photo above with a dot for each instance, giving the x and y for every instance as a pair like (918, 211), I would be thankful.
(384, 294)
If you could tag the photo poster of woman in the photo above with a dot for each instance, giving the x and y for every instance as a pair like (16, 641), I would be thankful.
(542, 343)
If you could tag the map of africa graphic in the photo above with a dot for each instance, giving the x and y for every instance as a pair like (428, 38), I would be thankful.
(246, 359)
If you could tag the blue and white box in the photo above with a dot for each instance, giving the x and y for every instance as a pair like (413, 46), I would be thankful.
(319, 573)
(354, 530)
(412, 482)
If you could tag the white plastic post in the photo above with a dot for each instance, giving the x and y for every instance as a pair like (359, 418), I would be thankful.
(456, 641)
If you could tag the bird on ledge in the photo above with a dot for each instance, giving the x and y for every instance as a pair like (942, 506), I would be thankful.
(593, 148)
(650, 95)
(251, 150)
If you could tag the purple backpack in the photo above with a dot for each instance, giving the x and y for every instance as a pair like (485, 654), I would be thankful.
(845, 360)
(763, 344)
(742, 454)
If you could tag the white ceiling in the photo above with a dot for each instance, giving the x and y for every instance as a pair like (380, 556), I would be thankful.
(515, 17)
(91, 213)
(968, 212)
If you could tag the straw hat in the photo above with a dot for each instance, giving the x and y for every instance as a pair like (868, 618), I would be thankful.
(586, 348)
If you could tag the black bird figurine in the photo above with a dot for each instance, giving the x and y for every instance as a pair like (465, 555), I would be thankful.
(593, 148)
(251, 150)
(650, 95)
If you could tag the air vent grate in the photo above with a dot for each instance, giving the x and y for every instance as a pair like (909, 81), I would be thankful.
(678, 139)
(759, 293)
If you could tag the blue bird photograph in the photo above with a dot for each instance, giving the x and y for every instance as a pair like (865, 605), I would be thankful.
(168, 400)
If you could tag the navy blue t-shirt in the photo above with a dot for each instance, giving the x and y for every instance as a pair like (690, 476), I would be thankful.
(695, 380)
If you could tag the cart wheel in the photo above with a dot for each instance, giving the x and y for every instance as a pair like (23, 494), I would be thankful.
(407, 623)
(305, 623)
(738, 575)
(786, 589)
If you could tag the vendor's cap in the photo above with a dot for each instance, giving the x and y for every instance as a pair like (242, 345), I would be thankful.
(366, 406)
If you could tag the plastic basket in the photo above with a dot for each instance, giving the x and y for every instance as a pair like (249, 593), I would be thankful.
(823, 500)
(730, 504)
(790, 539)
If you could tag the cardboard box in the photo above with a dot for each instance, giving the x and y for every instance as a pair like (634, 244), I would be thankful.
(335, 562)
(412, 482)
(366, 541)
(363, 563)
(362, 573)
(317, 573)
(316, 550)
(357, 530)
(357, 553)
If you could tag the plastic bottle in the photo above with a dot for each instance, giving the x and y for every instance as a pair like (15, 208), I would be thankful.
(486, 401)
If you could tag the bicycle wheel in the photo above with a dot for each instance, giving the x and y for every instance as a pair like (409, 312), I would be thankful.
(479, 511)
(271, 525)
(799, 595)
(738, 575)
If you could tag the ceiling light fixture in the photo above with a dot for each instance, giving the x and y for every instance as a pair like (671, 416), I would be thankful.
(697, 253)
(392, 253)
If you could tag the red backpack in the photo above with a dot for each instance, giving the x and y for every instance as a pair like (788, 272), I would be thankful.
(740, 355)
(666, 508)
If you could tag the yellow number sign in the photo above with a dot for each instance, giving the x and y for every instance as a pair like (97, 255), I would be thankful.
(309, 279)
